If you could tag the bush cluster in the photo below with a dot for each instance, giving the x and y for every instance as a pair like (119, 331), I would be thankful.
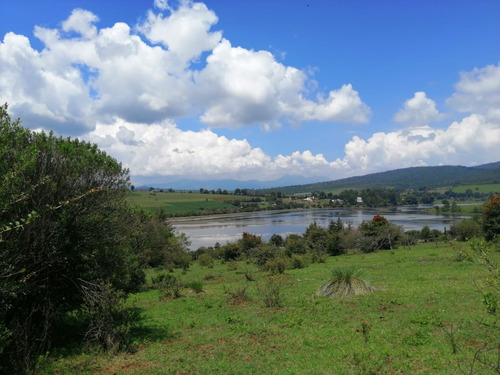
(70, 246)
(298, 251)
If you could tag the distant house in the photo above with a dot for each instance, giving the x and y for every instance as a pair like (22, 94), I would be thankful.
(337, 201)
(359, 200)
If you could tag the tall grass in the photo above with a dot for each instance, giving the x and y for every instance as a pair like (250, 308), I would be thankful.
(345, 282)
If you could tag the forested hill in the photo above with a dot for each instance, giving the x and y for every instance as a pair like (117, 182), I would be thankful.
(406, 178)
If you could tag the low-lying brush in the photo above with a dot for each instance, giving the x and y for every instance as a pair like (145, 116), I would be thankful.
(237, 294)
(271, 293)
(168, 284)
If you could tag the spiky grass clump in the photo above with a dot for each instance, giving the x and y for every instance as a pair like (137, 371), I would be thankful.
(196, 286)
(345, 282)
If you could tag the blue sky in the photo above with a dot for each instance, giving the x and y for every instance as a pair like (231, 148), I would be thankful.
(259, 90)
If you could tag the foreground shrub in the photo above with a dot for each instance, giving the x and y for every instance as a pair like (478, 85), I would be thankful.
(300, 261)
(168, 284)
(205, 260)
(483, 357)
(109, 320)
(275, 266)
(345, 282)
(64, 223)
(491, 218)
(464, 230)
(264, 253)
(270, 293)
(237, 295)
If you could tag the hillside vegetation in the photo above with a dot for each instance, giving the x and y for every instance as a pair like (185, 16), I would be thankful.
(407, 178)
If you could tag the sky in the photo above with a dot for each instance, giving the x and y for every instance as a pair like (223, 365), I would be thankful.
(302, 90)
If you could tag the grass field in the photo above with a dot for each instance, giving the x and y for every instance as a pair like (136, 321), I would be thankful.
(472, 207)
(425, 301)
(487, 188)
(181, 202)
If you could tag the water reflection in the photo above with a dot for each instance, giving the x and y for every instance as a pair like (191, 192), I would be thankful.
(207, 230)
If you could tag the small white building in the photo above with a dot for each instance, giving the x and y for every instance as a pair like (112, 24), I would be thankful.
(359, 200)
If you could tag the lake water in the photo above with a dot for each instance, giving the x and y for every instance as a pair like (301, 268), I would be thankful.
(207, 230)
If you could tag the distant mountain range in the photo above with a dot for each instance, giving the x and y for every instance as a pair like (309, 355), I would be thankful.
(406, 178)
(227, 184)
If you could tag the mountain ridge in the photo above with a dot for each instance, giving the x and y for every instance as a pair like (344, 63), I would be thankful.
(406, 178)
(401, 178)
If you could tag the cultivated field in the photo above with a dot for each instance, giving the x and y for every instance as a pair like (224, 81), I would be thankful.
(176, 203)
(485, 189)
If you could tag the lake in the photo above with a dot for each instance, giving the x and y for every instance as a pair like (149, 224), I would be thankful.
(207, 230)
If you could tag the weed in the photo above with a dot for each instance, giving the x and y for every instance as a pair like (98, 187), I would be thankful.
(196, 286)
(365, 330)
(249, 275)
(419, 338)
(237, 294)
(450, 333)
(270, 292)
(366, 363)
(462, 253)
(168, 284)
(424, 320)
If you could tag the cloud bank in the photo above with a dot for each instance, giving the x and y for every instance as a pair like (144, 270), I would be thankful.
(163, 149)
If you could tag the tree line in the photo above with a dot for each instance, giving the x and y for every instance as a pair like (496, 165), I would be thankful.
(317, 242)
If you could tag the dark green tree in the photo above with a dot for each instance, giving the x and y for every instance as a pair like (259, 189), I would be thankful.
(426, 234)
(276, 240)
(64, 239)
(379, 234)
(491, 218)
(464, 230)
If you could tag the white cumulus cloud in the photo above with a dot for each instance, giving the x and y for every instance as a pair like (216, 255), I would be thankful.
(241, 86)
(163, 149)
(171, 65)
(419, 110)
(478, 91)
(43, 93)
(473, 140)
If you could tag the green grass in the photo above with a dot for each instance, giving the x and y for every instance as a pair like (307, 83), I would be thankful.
(486, 188)
(423, 297)
(180, 202)
(472, 208)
